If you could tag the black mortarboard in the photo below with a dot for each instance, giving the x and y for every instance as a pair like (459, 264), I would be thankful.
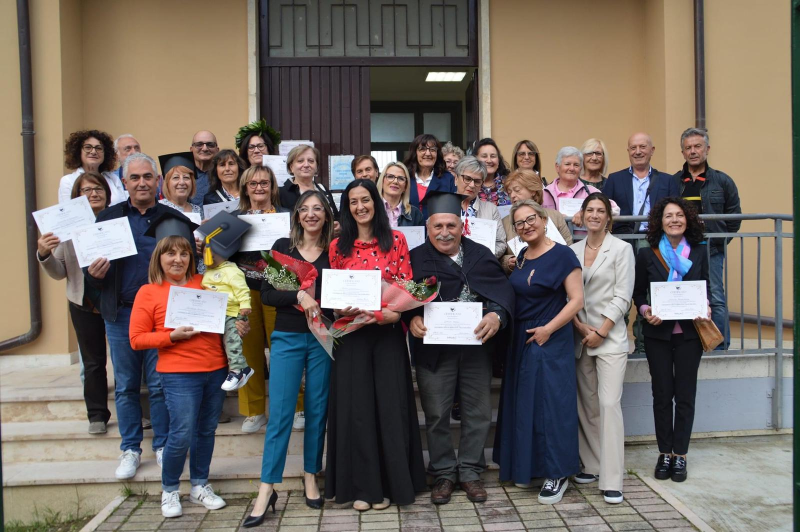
(172, 222)
(438, 202)
(223, 235)
(171, 160)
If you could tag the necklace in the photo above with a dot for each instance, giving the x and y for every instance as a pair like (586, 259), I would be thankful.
(592, 247)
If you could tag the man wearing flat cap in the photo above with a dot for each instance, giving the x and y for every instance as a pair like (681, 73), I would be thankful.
(468, 272)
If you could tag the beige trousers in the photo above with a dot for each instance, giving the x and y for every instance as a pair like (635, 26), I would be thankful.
(601, 434)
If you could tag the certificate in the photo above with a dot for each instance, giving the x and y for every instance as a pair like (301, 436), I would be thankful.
(481, 231)
(504, 210)
(553, 233)
(569, 206)
(203, 310)
(267, 228)
(288, 145)
(340, 171)
(112, 240)
(351, 288)
(515, 245)
(452, 323)
(277, 163)
(415, 235)
(682, 300)
(61, 219)
(195, 217)
(210, 210)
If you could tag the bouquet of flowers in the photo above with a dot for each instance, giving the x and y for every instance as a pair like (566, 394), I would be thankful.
(289, 274)
(398, 296)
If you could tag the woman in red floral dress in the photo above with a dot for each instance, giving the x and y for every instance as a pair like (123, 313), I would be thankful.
(374, 448)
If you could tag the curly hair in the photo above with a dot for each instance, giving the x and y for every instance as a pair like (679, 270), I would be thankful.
(655, 227)
(74, 145)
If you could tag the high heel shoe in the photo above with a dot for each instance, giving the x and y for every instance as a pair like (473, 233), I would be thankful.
(312, 503)
(256, 520)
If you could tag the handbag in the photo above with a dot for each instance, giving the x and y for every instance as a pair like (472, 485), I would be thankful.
(709, 334)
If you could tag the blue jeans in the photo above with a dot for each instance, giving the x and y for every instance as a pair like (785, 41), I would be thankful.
(719, 306)
(194, 401)
(128, 367)
(290, 354)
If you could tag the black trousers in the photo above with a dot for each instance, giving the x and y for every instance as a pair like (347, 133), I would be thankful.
(91, 332)
(673, 370)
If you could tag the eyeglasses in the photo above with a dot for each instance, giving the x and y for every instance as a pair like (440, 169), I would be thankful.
(88, 148)
(398, 178)
(476, 181)
(526, 154)
(199, 145)
(317, 209)
(87, 191)
(255, 184)
(254, 147)
(530, 220)
(591, 154)
(423, 149)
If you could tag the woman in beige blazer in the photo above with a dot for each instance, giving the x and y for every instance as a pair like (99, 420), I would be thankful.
(601, 347)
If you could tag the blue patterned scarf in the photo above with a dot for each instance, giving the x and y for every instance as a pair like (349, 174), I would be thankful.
(677, 259)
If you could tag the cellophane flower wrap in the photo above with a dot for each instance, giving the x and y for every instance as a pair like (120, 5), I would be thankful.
(398, 296)
(289, 274)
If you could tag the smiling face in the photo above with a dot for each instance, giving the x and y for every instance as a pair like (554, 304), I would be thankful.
(526, 158)
(361, 205)
(204, 147)
(175, 263)
(92, 153)
(141, 182)
(366, 170)
(640, 150)
(673, 221)
(305, 165)
(125, 147)
(228, 172)
(595, 216)
(395, 182)
(426, 155)
(593, 159)
(256, 150)
(312, 215)
(451, 160)
(444, 232)
(179, 186)
(95, 193)
(569, 169)
(489, 156)
(259, 188)
(529, 225)
(695, 150)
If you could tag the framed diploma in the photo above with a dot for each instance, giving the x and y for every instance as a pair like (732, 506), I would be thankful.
(112, 239)
(452, 323)
(351, 288)
(61, 219)
(267, 228)
(481, 230)
(682, 300)
(415, 235)
(203, 310)
(340, 172)
(569, 206)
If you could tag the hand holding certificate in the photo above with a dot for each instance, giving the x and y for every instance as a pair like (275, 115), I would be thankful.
(682, 300)
(200, 309)
(452, 323)
(359, 289)
(61, 219)
(110, 240)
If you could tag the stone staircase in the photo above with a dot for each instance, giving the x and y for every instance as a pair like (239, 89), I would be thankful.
(50, 461)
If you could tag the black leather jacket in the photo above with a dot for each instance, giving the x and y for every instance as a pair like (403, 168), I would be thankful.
(718, 195)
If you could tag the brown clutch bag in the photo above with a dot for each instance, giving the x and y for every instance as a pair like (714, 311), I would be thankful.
(709, 334)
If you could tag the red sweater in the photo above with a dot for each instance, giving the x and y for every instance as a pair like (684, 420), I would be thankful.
(202, 352)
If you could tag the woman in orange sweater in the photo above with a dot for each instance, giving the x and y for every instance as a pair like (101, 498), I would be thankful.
(192, 366)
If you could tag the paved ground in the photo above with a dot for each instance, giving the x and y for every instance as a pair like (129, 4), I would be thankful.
(508, 508)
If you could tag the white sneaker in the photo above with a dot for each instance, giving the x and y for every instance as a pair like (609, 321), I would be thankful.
(205, 495)
(237, 379)
(128, 464)
(160, 457)
(299, 421)
(254, 423)
(171, 504)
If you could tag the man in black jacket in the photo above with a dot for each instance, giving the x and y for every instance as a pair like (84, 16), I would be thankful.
(468, 272)
(712, 192)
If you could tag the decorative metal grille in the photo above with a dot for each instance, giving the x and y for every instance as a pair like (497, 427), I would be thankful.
(369, 28)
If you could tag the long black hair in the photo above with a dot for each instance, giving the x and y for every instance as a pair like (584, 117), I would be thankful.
(380, 221)
(655, 227)
(439, 167)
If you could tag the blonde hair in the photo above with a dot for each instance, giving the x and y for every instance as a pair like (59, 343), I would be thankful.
(538, 209)
(296, 152)
(451, 149)
(155, 274)
(590, 145)
(404, 199)
(529, 180)
(244, 198)
(172, 171)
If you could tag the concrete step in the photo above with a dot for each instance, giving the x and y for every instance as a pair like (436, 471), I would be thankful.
(63, 441)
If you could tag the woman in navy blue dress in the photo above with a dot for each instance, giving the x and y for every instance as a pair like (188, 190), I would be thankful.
(538, 424)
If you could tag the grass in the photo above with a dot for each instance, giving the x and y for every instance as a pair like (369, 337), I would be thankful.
(50, 521)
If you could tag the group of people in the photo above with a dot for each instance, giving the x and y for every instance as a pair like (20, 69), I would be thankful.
(554, 316)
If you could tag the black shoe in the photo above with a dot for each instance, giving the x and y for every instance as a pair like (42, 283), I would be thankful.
(677, 471)
(553, 490)
(455, 412)
(585, 478)
(256, 520)
(663, 466)
(312, 503)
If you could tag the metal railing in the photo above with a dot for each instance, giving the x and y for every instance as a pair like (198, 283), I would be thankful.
(744, 239)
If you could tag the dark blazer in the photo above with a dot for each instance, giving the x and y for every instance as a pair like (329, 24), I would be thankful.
(412, 217)
(619, 188)
(649, 269)
(445, 182)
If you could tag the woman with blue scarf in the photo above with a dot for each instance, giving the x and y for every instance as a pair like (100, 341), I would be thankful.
(677, 252)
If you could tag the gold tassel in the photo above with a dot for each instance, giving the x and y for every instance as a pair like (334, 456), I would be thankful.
(207, 258)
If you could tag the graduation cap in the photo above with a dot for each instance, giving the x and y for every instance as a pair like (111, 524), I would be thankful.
(438, 202)
(223, 235)
(171, 160)
(172, 222)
